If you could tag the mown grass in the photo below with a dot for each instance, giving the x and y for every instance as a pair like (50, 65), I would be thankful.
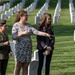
(63, 60)
(63, 57)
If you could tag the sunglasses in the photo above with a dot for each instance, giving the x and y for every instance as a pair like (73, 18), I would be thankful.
(26, 15)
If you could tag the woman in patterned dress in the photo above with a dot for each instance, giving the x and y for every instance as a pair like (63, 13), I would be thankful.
(21, 32)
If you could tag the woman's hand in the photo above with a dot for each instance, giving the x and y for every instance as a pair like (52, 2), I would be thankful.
(23, 33)
(52, 36)
(48, 35)
(49, 48)
(47, 52)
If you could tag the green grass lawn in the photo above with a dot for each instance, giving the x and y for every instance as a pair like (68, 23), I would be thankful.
(63, 60)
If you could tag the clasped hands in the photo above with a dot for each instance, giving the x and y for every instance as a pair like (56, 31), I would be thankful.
(48, 50)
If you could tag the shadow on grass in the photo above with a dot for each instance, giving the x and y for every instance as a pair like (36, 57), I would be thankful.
(59, 30)
(64, 30)
(69, 73)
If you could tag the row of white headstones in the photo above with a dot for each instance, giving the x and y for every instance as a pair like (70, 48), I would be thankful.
(58, 9)
(4, 7)
(56, 16)
(57, 12)
(23, 2)
(43, 9)
(11, 11)
(7, 14)
(31, 7)
(72, 11)
(12, 2)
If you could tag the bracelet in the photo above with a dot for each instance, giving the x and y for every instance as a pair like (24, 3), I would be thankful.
(46, 34)
(45, 47)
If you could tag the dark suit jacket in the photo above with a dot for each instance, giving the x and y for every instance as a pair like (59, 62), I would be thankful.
(4, 50)
(42, 41)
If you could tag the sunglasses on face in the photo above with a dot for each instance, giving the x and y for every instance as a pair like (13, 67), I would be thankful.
(26, 15)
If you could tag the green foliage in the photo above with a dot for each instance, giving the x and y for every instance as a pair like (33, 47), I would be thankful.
(4, 1)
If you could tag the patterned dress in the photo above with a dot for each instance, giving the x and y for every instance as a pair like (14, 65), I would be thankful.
(23, 45)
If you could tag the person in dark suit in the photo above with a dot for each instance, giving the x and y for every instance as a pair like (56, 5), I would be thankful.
(4, 47)
(45, 45)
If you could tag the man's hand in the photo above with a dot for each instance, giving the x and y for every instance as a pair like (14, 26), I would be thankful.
(6, 43)
(10, 54)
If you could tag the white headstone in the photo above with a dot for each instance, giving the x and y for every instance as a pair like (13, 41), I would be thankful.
(74, 35)
(6, 14)
(37, 18)
(2, 16)
(32, 68)
(12, 45)
(0, 0)
(23, 2)
(4, 7)
(36, 55)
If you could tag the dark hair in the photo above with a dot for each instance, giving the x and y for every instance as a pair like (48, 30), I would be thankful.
(19, 14)
(42, 21)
